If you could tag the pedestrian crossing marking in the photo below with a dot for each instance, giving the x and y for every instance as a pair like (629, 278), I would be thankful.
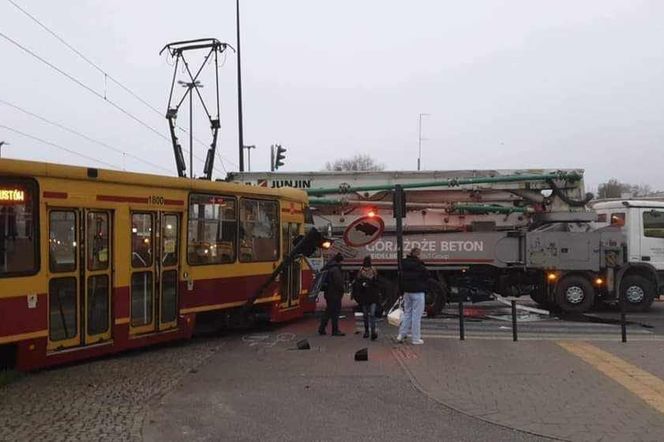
(643, 384)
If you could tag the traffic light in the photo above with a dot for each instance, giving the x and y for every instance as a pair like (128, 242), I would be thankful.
(279, 157)
(307, 244)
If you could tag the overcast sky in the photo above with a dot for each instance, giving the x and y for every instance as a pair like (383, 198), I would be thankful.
(508, 84)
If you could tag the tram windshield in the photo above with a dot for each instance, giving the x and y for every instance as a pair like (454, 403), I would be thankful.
(18, 254)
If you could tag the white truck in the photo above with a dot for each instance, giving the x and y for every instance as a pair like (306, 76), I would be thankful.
(642, 222)
(512, 232)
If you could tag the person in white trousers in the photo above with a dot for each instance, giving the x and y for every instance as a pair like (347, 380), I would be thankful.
(415, 277)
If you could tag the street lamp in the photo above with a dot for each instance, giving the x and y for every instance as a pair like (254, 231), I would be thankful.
(3, 143)
(419, 154)
(191, 85)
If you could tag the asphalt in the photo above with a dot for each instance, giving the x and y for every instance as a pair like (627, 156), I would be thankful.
(562, 380)
(261, 388)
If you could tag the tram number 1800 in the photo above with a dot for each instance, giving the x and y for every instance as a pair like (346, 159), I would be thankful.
(156, 200)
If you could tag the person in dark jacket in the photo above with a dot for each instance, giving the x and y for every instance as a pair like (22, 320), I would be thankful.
(415, 277)
(334, 292)
(367, 295)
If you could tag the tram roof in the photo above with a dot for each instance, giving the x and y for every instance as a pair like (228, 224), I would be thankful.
(62, 171)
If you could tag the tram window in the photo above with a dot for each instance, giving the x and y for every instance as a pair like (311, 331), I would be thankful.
(169, 288)
(97, 304)
(141, 299)
(18, 227)
(62, 308)
(653, 223)
(62, 245)
(169, 242)
(141, 240)
(212, 229)
(259, 231)
(97, 240)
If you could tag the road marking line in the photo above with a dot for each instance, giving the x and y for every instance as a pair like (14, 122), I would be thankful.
(645, 385)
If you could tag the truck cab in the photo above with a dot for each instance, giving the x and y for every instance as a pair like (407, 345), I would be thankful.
(642, 222)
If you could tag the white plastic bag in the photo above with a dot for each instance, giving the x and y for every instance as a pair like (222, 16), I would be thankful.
(395, 315)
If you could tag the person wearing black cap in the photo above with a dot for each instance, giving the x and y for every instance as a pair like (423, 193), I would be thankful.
(333, 294)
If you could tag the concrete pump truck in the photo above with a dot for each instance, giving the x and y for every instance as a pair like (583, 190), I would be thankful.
(486, 232)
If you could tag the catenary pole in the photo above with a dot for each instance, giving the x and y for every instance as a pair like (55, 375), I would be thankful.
(239, 88)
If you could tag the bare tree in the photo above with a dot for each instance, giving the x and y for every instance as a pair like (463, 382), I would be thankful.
(642, 190)
(615, 189)
(358, 163)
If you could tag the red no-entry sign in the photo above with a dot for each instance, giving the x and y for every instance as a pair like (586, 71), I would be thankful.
(364, 231)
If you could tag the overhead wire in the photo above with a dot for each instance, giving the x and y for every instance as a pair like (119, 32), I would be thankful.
(82, 135)
(88, 88)
(102, 71)
(83, 85)
(80, 54)
(50, 143)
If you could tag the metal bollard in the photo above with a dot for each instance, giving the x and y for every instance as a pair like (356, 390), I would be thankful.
(462, 332)
(623, 321)
(514, 333)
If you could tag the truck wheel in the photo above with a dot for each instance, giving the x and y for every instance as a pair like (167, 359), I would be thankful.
(435, 297)
(574, 293)
(638, 292)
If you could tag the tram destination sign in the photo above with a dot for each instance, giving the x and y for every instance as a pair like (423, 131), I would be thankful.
(12, 196)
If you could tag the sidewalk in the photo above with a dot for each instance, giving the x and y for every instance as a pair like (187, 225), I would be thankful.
(535, 386)
(260, 388)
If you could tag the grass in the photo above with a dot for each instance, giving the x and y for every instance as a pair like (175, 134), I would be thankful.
(8, 376)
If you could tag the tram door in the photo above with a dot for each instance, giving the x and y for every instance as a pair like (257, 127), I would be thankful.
(290, 279)
(154, 271)
(80, 268)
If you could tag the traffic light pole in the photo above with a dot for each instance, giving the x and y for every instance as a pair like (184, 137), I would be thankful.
(272, 158)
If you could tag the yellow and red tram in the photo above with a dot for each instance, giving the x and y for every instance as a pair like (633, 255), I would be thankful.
(95, 261)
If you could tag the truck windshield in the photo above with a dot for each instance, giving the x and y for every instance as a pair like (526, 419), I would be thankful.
(18, 255)
(653, 223)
